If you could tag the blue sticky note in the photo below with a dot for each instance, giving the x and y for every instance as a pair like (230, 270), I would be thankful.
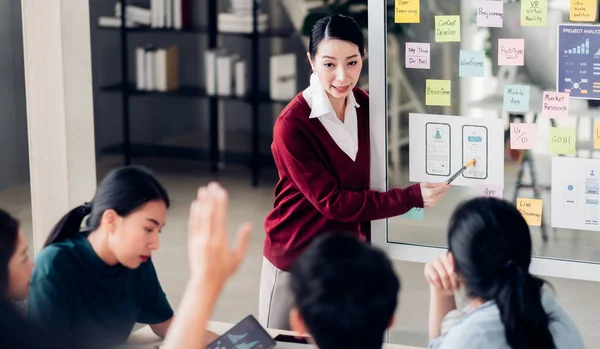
(516, 98)
(415, 213)
(471, 63)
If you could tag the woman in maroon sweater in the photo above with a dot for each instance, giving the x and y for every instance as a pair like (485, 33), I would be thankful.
(321, 147)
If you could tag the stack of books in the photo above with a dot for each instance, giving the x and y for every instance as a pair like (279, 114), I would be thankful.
(239, 18)
(226, 74)
(169, 14)
(157, 68)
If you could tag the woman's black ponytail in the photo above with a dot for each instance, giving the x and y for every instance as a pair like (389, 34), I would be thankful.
(491, 246)
(69, 225)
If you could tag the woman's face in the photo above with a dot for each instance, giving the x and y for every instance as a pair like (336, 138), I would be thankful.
(133, 238)
(19, 271)
(337, 64)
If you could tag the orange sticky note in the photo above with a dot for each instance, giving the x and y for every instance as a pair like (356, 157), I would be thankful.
(522, 135)
(583, 10)
(531, 209)
(597, 136)
(407, 11)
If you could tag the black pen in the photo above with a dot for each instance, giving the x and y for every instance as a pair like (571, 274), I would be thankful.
(467, 165)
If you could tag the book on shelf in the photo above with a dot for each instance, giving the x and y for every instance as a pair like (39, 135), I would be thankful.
(168, 14)
(241, 78)
(114, 22)
(225, 73)
(282, 79)
(157, 68)
(229, 22)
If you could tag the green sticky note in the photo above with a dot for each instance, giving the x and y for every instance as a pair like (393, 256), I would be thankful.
(415, 213)
(562, 140)
(438, 92)
(447, 28)
(534, 12)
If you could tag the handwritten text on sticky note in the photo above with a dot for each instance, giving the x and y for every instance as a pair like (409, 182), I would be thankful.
(583, 10)
(490, 191)
(415, 213)
(471, 63)
(562, 140)
(418, 55)
(522, 135)
(531, 209)
(534, 12)
(407, 11)
(597, 136)
(511, 51)
(490, 13)
(555, 104)
(437, 92)
(447, 28)
(516, 98)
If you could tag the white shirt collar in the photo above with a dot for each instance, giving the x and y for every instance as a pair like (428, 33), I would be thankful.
(321, 105)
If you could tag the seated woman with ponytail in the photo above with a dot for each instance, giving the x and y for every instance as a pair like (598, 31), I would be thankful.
(100, 281)
(508, 308)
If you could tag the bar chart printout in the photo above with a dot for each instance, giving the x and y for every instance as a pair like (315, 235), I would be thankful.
(579, 61)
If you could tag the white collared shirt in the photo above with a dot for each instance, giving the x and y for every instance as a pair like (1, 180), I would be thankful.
(345, 134)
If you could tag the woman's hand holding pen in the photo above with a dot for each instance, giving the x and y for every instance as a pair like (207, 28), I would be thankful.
(432, 193)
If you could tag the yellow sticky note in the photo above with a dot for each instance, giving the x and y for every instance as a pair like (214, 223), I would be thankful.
(597, 136)
(534, 12)
(562, 140)
(583, 10)
(447, 28)
(531, 209)
(437, 92)
(407, 11)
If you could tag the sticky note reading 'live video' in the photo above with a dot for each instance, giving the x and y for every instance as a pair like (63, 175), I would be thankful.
(523, 135)
(534, 12)
(583, 10)
(562, 140)
(516, 98)
(407, 11)
(597, 136)
(471, 63)
(490, 13)
(415, 213)
(418, 55)
(490, 191)
(555, 104)
(531, 210)
(511, 51)
(437, 92)
(447, 28)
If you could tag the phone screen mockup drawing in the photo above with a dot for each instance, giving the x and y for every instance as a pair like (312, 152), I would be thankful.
(437, 149)
(592, 196)
(246, 334)
(475, 146)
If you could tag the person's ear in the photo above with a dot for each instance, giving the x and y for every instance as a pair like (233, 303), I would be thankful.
(312, 63)
(110, 220)
(297, 323)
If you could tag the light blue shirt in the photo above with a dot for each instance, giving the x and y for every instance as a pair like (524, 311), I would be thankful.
(483, 328)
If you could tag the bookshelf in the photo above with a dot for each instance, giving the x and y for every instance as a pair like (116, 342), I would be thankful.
(254, 98)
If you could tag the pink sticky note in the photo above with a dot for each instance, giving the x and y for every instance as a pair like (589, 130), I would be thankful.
(511, 51)
(555, 104)
(490, 190)
(417, 55)
(490, 13)
(522, 136)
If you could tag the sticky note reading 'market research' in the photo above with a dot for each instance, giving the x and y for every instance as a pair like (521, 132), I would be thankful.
(516, 98)
(490, 13)
(522, 135)
(437, 92)
(534, 12)
(511, 51)
(471, 63)
(447, 28)
(555, 104)
(407, 11)
(531, 210)
(418, 55)
(562, 140)
(583, 10)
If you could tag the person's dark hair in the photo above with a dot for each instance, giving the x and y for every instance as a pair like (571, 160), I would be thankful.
(491, 245)
(123, 190)
(9, 234)
(336, 27)
(346, 292)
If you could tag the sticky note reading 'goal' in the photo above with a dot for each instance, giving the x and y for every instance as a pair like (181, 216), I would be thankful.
(562, 140)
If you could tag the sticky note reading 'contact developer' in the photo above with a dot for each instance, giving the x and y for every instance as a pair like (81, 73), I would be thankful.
(516, 98)
(531, 210)
(437, 92)
(447, 28)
